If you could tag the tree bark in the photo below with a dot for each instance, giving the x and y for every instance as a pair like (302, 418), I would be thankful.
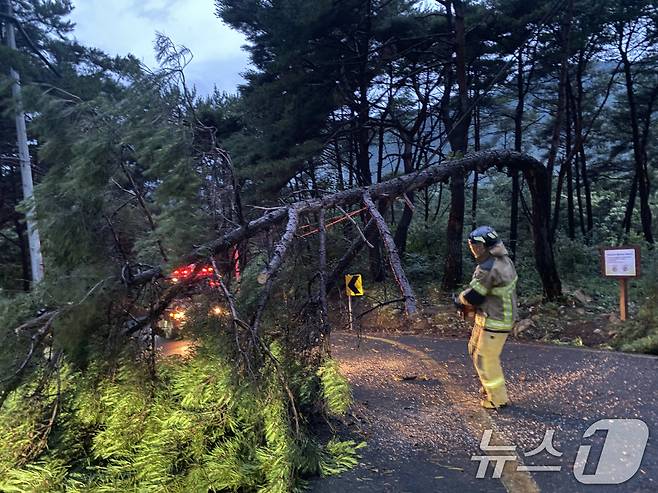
(393, 257)
(266, 277)
(628, 213)
(452, 272)
(21, 236)
(476, 175)
(558, 201)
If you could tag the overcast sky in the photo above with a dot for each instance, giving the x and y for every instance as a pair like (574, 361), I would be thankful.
(119, 27)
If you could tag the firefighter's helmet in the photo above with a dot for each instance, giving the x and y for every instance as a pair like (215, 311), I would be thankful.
(485, 235)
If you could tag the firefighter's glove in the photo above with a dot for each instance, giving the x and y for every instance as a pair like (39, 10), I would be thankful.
(461, 308)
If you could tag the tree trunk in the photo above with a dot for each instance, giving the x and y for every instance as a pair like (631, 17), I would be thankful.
(458, 132)
(403, 226)
(453, 265)
(339, 165)
(571, 228)
(628, 214)
(380, 151)
(325, 326)
(393, 257)
(537, 180)
(581, 150)
(558, 201)
(518, 140)
(565, 35)
(21, 235)
(638, 152)
(579, 199)
(474, 201)
(476, 143)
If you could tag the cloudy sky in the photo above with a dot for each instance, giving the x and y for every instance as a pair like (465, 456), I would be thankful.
(129, 26)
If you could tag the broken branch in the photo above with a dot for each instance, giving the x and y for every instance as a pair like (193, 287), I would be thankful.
(266, 277)
(393, 256)
(358, 229)
(322, 267)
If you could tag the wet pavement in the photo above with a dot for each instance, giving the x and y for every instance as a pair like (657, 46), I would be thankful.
(416, 405)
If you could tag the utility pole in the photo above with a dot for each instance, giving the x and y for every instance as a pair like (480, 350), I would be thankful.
(36, 260)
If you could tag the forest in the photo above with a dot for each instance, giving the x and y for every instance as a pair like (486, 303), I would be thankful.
(369, 136)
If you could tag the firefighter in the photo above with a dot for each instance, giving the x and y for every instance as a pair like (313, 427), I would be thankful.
(492, 296)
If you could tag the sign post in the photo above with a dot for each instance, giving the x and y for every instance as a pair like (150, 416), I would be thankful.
(623, 299)
(349, 313)
(623, 263)
(353, 287)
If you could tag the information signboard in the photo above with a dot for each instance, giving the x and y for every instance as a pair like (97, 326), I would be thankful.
(623, 263)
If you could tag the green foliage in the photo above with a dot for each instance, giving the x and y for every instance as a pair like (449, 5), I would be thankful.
(340, 456)
(641, 335)
(647, 343)
(196, 426)
(99, 148)
(335, 389)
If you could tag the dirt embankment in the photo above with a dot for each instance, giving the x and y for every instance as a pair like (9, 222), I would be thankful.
(574, 321)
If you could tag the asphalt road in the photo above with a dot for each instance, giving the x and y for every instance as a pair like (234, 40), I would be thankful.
(416, 405)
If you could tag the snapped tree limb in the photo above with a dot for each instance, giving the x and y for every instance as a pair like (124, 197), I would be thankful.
(535, 173)
(267, 276)
(322, 271)
(393, 257)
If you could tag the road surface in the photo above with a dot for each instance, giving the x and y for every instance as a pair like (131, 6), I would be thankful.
(416, 405)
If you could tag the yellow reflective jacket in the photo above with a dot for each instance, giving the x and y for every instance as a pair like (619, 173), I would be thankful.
(495, 281)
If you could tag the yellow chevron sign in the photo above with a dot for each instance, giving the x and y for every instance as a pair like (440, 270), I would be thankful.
(353, 285)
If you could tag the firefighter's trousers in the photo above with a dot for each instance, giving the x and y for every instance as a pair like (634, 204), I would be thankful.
(485, 348)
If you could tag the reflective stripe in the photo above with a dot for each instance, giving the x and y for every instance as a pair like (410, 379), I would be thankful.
(507, 322)
(501, 326)
(492, 384)
(507, 288)
(479, 287)
(497, 331)
(491, 324)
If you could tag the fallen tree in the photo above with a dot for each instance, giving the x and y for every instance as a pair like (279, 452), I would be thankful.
(534, 172)
(291, 214)
(536, 176)
(250, 352)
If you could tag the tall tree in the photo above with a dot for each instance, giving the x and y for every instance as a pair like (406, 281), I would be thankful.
(457, 125)
(634, 27)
